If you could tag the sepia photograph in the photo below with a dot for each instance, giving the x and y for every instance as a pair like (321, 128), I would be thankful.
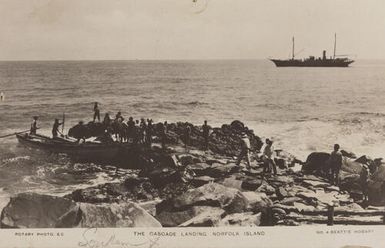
(192, 118)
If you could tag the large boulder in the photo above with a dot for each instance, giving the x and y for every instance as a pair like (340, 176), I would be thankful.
(209, 218)
(211, 194)
(248, 219)
(132, 188)
(205, 199)
(377, 187)
(31, 210)
(87, 215)
(91, 129)
(351, 166)
(173, 218)
(225, 140)
(256, 201)
(316, 163)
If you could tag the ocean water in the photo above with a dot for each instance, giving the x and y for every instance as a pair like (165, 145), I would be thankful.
(301, 109)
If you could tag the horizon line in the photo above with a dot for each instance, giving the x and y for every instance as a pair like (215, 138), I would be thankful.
(154, 59)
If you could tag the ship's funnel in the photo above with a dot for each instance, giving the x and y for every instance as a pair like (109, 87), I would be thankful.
(324, 54)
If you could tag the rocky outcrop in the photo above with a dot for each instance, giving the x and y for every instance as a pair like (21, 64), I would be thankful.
(316, 163)
(191, 187)
(376, 187)
(86, 215)
(207, 204)
(31, 210)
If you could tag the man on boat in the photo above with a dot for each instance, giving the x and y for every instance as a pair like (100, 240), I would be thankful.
(55, 128)
(33, 125)
(96, 112)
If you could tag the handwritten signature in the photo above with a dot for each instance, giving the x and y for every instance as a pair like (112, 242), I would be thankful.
(91, 240)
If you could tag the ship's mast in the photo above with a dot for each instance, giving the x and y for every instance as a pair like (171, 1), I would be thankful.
(292, 57)
(335, 44)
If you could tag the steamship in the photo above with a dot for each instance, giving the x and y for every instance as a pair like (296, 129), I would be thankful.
(312, 61)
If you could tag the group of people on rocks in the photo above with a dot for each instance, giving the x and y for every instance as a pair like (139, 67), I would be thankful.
(141, 132)
(269, 165)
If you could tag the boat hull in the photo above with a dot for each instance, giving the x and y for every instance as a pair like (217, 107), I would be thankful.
(83, 151)
(312, 63)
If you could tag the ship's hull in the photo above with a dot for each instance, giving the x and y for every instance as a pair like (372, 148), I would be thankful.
(312, 63)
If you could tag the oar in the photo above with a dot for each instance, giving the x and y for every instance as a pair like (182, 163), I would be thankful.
(8, 135)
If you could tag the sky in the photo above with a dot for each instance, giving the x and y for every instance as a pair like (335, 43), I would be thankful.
(182, 29)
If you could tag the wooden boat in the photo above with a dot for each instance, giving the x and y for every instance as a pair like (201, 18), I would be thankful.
(90, 151)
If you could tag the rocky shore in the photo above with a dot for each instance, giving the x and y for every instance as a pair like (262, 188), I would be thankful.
(184, 187)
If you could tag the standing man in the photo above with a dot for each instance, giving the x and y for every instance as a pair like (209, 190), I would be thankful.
(364, 179)
(55, 128)
(96, 112)
(335, 164)
(187, 136)
(33, 125)
(206, 133)
(162, 135)
(268, 157)
(245, 149)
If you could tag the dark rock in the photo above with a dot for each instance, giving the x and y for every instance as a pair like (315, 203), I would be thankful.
(281, 193)
(364, 160)
(348, 154)
(170, 218)
(232, 183)
(290, 200)
(376, 187)
(87, 215)
(199, 169)
(266, 188)
(31, 210)
(316, 163)
(213, 194)
(288, 222)
(132, 188)
(221, 170)
(349, 182)
(202, 180)
(209, 218)
(251, 184)
(280, 180)
(351, 166)
(186, 159)
(281, 163)
(256, 201)
(150, 206)
(248, 219)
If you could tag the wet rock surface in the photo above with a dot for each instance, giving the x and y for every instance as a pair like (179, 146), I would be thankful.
(189, 187)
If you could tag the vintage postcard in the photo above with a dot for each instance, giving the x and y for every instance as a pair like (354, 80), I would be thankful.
(192, 123)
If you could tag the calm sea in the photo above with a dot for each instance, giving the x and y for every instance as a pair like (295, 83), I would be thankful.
(302, 109)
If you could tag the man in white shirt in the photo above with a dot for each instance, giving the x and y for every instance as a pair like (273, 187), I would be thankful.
(245, 148)
(268, 157)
